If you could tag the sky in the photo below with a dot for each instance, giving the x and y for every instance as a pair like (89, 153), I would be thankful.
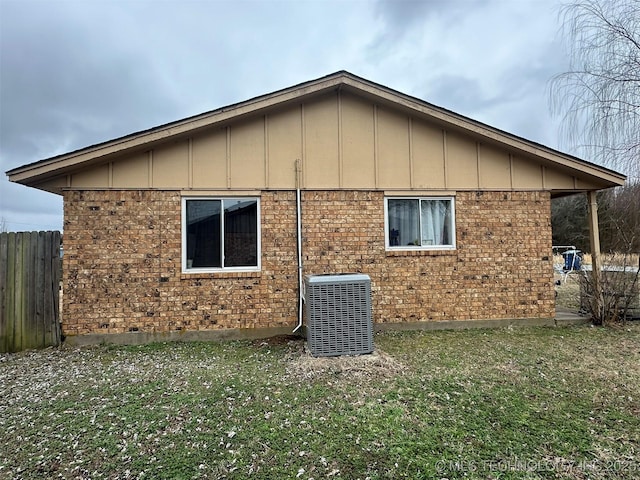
(77, 72)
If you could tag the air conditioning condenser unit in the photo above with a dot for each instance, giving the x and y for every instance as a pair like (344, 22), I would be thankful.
(338, 314)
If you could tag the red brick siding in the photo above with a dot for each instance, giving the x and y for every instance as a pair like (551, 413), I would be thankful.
(123, 254)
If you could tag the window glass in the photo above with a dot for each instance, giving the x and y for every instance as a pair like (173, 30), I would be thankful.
(220, 233)
(420, 222)
(203, 233)
(436, 217)
(240, 233)
(404, 222)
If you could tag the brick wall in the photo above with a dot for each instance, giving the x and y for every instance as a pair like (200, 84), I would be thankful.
(122, 268)
(122, 262)
(501, 267)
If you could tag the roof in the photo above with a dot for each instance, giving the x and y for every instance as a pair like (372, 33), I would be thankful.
(34, 173)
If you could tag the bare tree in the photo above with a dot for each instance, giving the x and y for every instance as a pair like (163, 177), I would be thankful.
(599, 97)
(599, 100)
(619, 212)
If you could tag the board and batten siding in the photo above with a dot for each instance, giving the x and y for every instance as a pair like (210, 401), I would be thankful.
(344, 141)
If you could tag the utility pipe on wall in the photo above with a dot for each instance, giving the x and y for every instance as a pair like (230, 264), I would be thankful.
(299, 228)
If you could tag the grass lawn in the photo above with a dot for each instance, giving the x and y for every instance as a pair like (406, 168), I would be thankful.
(502, 403)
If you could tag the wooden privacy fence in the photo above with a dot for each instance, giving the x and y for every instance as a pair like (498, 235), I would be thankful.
(30, 270)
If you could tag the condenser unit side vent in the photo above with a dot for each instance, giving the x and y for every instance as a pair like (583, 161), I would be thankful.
(338, 311)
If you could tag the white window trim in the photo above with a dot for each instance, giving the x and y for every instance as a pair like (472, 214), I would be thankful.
(452, 199)
(183, 245)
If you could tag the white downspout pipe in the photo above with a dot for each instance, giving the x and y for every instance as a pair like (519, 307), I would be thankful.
(299, 228)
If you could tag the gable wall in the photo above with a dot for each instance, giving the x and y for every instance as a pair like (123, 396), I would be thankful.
(343, 142)
(122, 262)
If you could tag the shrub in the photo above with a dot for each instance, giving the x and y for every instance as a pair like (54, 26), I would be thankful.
(612, 295)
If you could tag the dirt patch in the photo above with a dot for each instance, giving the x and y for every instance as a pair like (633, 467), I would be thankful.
(278, 340)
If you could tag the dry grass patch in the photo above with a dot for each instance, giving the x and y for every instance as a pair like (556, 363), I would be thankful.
(568, 291)
(376, 365)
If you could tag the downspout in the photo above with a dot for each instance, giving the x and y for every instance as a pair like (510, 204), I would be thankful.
(299, 229)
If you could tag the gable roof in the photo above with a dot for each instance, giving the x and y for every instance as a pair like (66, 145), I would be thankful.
(37, 172)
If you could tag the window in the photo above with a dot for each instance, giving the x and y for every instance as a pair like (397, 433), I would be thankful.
(420, 223)
(220, 234)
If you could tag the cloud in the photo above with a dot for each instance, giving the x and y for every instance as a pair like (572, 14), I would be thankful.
(400, 17)
(487, 60)
(26, 208)
(76, 73)
(65, 87)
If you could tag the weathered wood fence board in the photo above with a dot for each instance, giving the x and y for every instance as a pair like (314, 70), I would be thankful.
(29, 290)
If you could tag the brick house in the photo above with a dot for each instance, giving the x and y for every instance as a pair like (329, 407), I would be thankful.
(190, 229)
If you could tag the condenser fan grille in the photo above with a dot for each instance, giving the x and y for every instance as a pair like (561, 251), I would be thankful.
(338, 311)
